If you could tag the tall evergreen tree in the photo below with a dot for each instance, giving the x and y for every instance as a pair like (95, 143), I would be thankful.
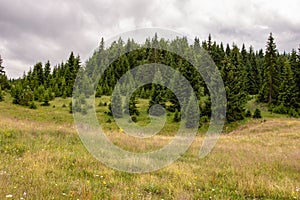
(234, 85)
(288, 91)
(157, 95)
(192, 117)
(3, 78)
(116, 104)
(270, 87)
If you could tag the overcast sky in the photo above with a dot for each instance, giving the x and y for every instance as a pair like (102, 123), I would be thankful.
(34, 30)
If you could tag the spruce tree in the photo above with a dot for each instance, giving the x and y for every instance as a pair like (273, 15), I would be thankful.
(130, 107)
(192, 117)
(234, 85)
(270, 87)
(288, 91)
(3, 79)
(157, 95)
(2, 72)
(177, 116)
(116, 104)
(257, 114)
(47, 73)
(1, 95)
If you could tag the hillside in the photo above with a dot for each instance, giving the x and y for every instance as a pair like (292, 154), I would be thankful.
(42, 157)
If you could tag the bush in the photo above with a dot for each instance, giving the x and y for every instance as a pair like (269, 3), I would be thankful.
(1, 95)
(257, 114)
(248, 114)
(204, 119)
(293, 113)
(32, 105)
(177, 116)
(134, 118)
(281, 109)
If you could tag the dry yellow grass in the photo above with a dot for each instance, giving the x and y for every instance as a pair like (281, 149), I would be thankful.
(46, 160)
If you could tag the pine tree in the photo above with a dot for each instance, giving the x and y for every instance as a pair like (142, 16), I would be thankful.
(257, 114)
(2, 72)
(157, 95)
(270, 87)
(288, 91)
(1, 95)
(116, 104)
(3, 79)
(192, 117)
(130, 107)
(177, 116)
(234, 86)
(47, 73)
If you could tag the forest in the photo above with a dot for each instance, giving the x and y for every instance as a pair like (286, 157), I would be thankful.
(268, 76)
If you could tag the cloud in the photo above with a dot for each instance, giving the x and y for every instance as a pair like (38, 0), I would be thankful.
(33, 31)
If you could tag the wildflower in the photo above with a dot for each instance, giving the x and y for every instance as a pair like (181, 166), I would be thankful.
(213, 189)
(9, 196)
(104, 183)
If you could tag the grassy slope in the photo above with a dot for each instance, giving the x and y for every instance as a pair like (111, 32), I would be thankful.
(42, 157)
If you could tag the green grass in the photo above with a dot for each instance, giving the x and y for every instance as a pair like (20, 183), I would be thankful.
(42, 157)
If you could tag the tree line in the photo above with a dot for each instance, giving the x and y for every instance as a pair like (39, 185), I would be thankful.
(266, 75)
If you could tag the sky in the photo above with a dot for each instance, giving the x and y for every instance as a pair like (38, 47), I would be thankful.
(34, 31)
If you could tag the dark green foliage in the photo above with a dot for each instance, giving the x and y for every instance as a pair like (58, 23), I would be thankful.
(248, 114)
(1, 95)
(2, 72)
(234, 81)
(32, 105)
(257, 114)
(116, 104)
(192, 117)
(130, 107)
(134, 118)
(157, 96)
(244, 72)
(46, 99)
(271, 80)
(177, 116)
(288, 91)
(3, 79)
(71, 107)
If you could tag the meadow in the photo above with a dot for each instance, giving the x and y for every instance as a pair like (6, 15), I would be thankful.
(42, 157)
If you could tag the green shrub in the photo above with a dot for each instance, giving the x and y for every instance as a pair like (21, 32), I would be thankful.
(281, 109)
(134, 118)
(257, 114)
(248, 114)
(32, 105)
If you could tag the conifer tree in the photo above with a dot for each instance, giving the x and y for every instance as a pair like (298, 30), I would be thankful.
(130, 107)
(192, 117)
(116, 104)
(1, 95)
(234, 86)
(157, 95)
(270, 87)
(288, 91)
(3, 78)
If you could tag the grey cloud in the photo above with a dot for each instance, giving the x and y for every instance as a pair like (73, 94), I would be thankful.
(34, 31)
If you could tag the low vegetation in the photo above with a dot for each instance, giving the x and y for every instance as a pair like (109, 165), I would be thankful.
(42, 157)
